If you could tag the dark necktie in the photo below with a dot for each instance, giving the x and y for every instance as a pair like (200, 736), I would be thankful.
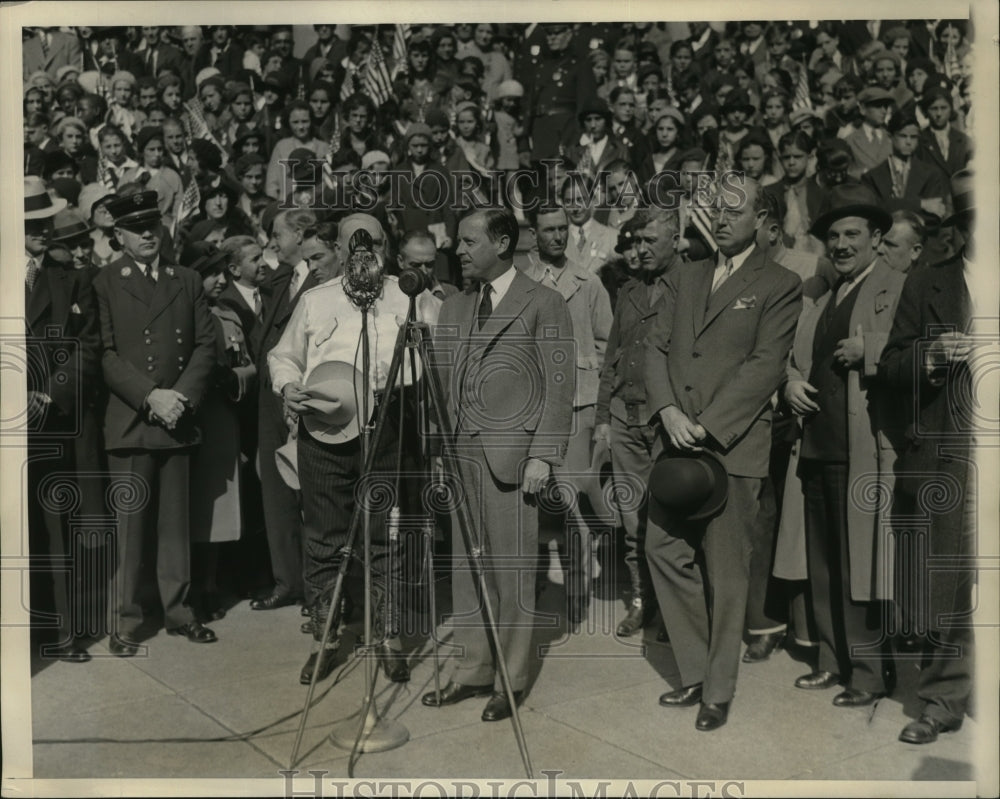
(485, 306)
(149, 275)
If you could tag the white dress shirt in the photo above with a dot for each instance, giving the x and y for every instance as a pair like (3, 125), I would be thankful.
(500, 286)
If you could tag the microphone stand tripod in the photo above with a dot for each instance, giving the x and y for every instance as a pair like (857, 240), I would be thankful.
(374, 734)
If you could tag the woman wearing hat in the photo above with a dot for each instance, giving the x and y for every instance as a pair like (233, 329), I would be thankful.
(215, 473)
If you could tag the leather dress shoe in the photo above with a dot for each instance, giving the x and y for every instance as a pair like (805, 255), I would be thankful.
(761, 647)
(195, 632)
(394, 665)
(638, 616)
(498, 708)
(328, 665)
(455, 692)
(925, 730)
(712, 716)
(304, 610)
(852, 697)
(817, 680)
(273, 602)
(122, 647)
(683, 697)
(68, 653)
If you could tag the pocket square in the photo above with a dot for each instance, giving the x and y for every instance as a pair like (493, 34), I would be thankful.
(74, 308)
(745, 303)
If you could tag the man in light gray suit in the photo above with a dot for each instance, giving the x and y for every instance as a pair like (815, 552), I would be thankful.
(728, 325)
(507, 359)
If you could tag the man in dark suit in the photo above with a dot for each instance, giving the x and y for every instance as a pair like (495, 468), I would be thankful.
(222, 52)
(155, 55)
(728, 326)
(63, 352)
(159, 350)
(904, 182)
(507, 361)
(48, 50)
(930, 357)
(940, 144)
(282, 515)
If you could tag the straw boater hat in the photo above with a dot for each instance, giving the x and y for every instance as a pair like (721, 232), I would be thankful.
(38, 203)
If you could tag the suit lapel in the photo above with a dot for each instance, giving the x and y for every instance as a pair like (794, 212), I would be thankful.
(950, 301)
(733, 287)
(509, 307)
(167, 287)
(132, 279)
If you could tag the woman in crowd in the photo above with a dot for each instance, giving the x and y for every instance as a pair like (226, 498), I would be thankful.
(298, 124)
(155, 175)
(665, 146)
(215, 476)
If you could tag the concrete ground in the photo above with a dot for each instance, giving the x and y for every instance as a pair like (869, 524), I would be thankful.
(230, 709)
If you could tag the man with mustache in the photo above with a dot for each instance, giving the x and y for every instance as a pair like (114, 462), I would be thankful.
(850, 436)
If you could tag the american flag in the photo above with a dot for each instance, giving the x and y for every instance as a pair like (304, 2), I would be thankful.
(187, 206)
(400, 47)
(377, 83)
(702, 222)
(104, 175)
(347, 87)
(802, 98)
(199, 126)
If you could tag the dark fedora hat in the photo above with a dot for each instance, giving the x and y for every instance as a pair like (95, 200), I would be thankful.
(850, 199)
(70, 225)
(694, 485)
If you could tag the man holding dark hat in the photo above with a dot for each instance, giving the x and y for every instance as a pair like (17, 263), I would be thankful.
(63, 352)
(870, 142)
(728, 324)
(940, 374)
(159, 350)
(850, 434)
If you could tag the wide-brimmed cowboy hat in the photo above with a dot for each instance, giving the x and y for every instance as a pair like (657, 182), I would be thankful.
(336, 395)
(38, 203)
(693, 485)
(850, 199)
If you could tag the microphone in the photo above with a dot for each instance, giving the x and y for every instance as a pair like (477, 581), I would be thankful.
(413, 282)
(364, 271)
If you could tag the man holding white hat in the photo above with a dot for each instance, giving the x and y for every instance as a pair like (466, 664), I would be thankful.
(316, 369)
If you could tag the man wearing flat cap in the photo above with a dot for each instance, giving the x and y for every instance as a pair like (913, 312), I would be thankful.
(870, 143)
(727, 324)
(159, 351)
(63, 353)
(850, 435)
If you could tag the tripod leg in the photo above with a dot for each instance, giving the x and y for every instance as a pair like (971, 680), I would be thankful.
(432, 600)
(474, 548)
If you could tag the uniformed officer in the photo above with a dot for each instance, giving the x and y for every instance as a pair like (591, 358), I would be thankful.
(159, 350)
(556, 81)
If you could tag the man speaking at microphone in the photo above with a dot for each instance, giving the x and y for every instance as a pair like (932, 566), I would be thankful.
(316, 368)
(507, 360)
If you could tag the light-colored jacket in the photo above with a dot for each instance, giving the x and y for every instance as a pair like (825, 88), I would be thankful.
(875, 431)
